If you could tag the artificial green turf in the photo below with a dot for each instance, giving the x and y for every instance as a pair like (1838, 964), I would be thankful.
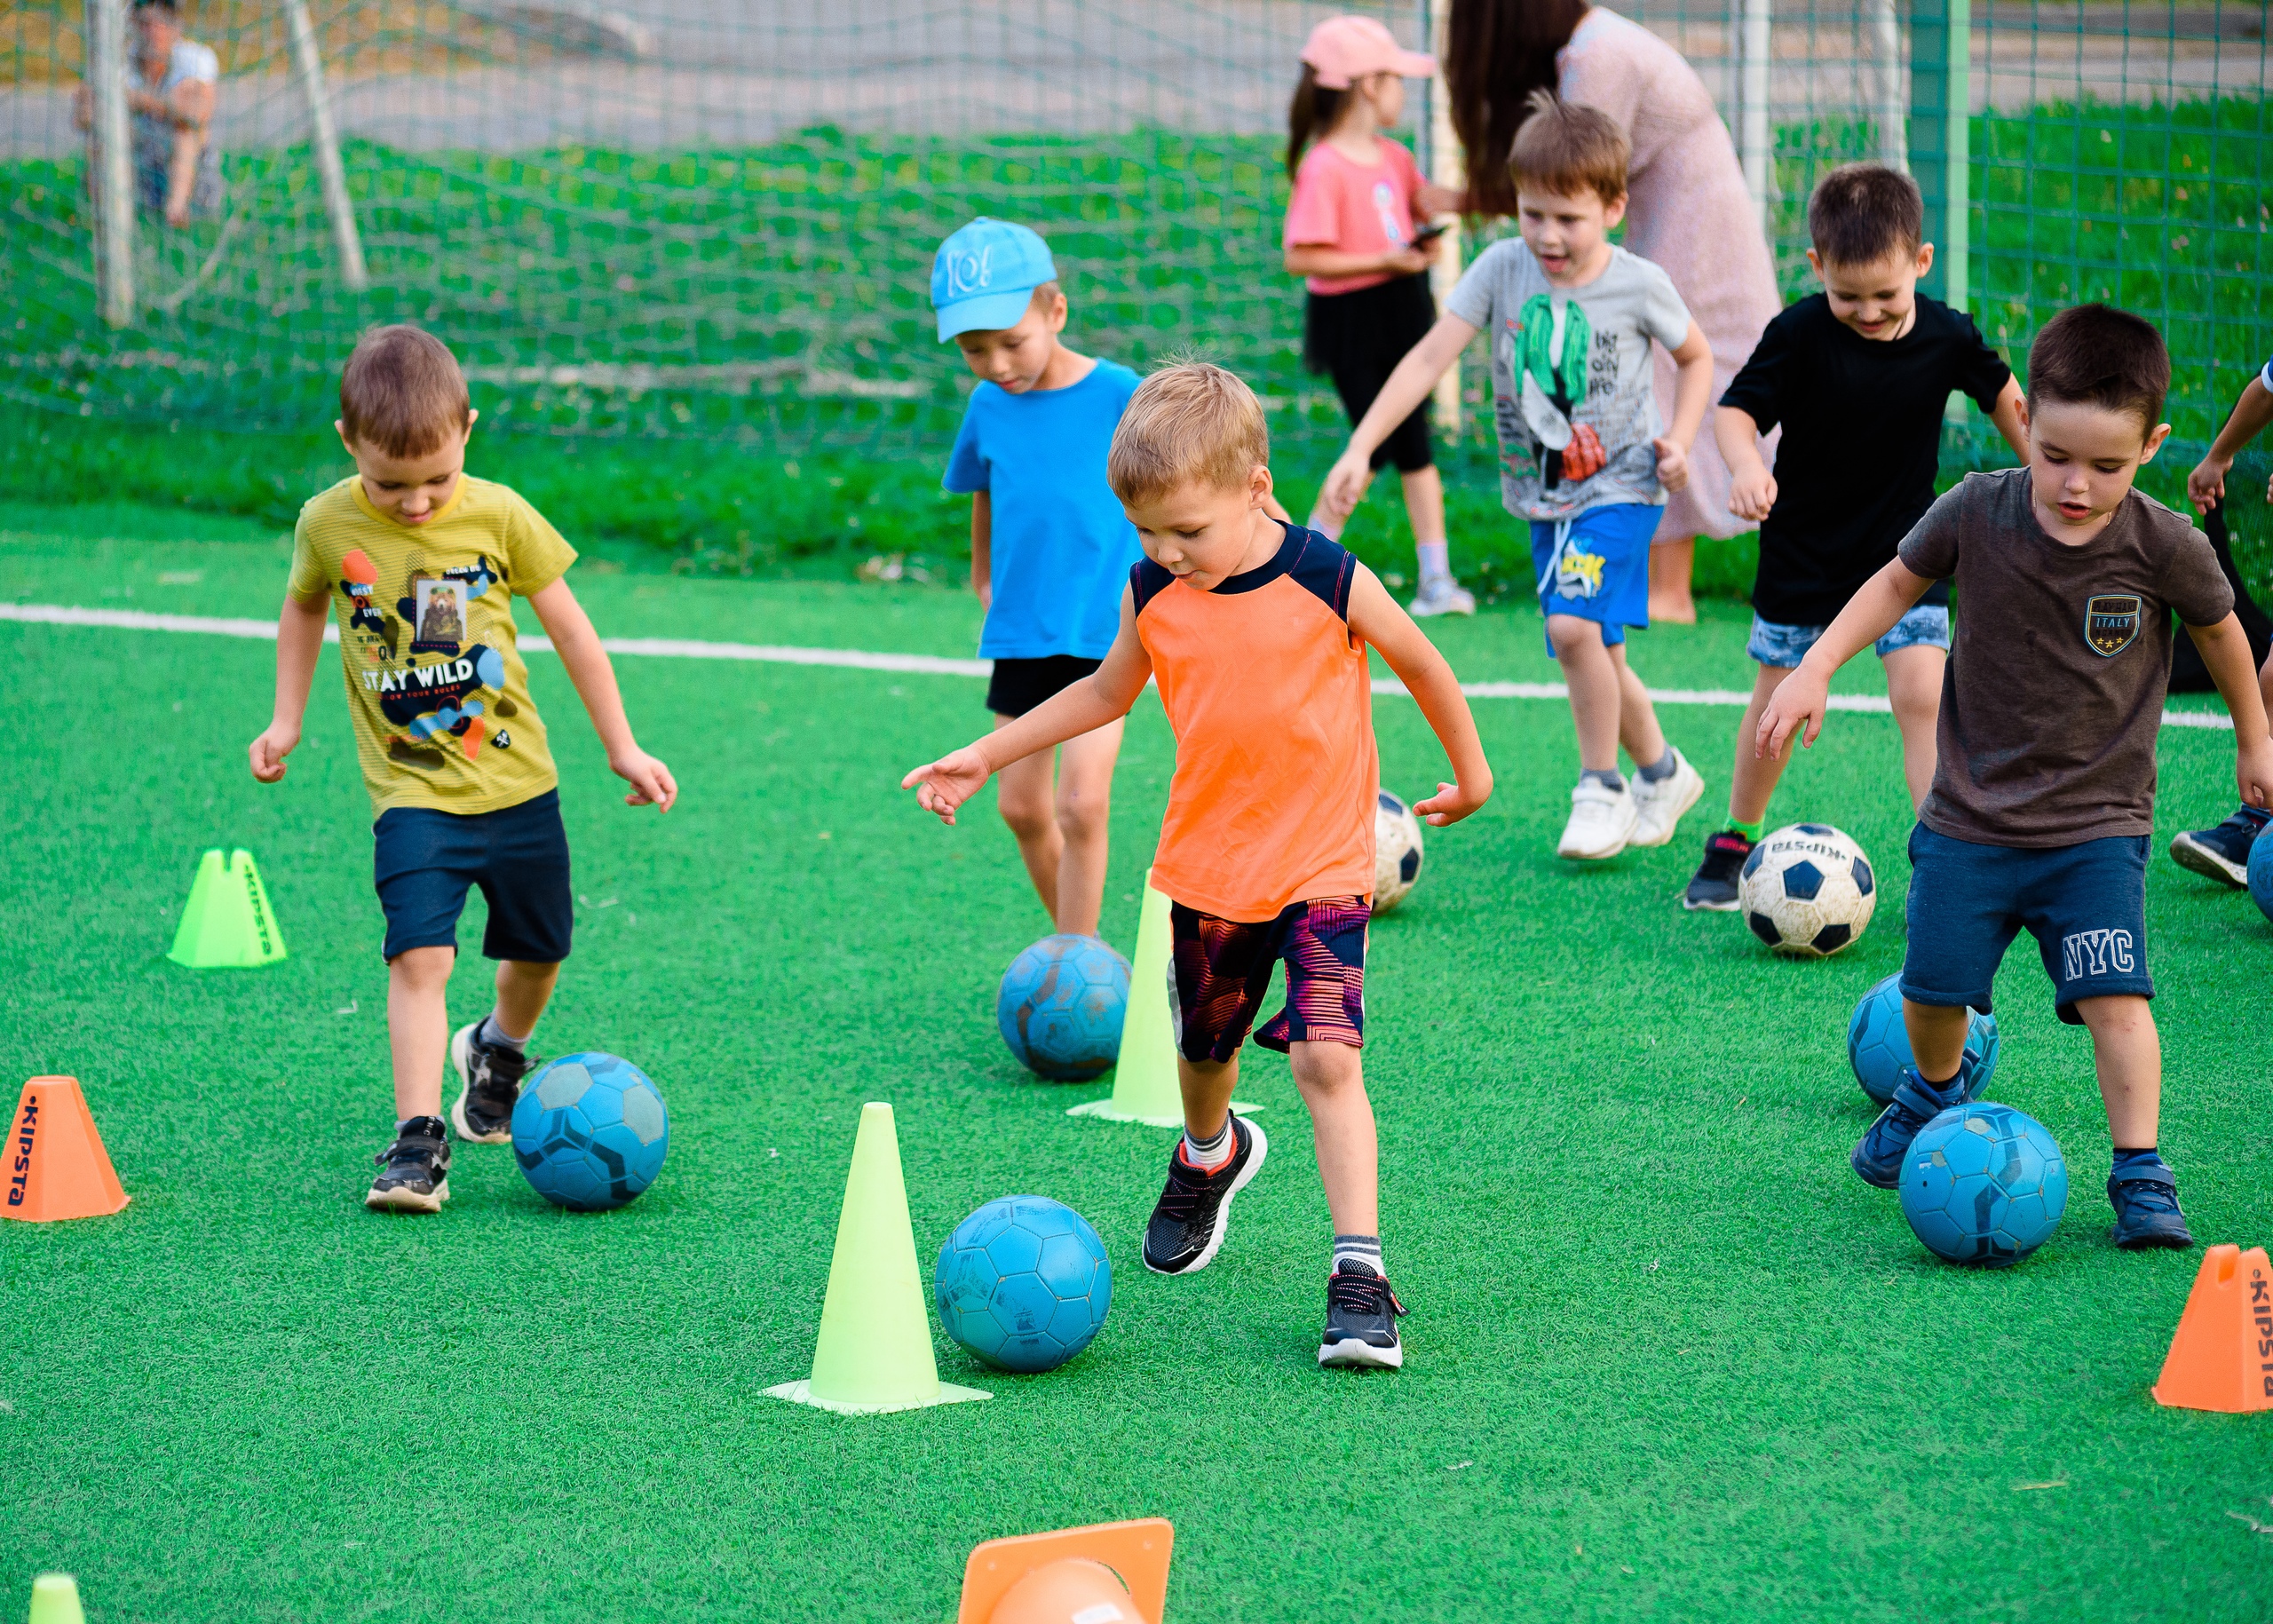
(1670, 1358)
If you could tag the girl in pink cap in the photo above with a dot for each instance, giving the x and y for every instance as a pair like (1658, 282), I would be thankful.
(1358, 230)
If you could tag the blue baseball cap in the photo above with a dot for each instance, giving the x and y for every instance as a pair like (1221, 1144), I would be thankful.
(984, 276)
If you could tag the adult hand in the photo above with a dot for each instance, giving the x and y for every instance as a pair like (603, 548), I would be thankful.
(946, 783)
(1345, 484)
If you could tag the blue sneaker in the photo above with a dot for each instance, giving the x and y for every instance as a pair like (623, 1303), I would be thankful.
(2145, 1195)
(1878, 1158)
(2221, 853)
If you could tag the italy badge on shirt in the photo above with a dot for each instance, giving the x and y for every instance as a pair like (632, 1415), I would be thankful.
(2113, 621)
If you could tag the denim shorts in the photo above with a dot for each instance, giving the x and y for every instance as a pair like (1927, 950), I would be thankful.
(2085, 904)
(1783, 647)
(424, 861)
(1595, 565)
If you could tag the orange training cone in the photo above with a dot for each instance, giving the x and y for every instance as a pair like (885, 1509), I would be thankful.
(2222, 1358)
(1106, 1573)
(56, 1164)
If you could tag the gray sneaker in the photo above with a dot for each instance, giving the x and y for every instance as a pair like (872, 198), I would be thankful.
(1442, 595)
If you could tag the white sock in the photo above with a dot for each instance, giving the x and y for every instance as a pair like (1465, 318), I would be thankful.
(1330, 528)
(1209, 1154)
(1365, 1249)
(1435, 560)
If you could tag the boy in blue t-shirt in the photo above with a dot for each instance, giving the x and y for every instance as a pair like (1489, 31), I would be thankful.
(1050, 548)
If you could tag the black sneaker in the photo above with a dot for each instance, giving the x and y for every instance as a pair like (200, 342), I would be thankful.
(1713, 887)
(2145, 1199)
(2222, 853)
(489, 1078)
(415, 1170)
(1189, 1220)
(1361, 1316)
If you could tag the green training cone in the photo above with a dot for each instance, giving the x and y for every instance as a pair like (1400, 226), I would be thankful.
(1144, 1088)
(226, 923)
(875, 1351)
(55, 1600)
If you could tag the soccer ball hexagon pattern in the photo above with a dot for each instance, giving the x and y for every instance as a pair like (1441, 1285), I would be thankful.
(1807, 890)
(590, 1131)
(1024, 1283)
(1061, 1005)
(1878, 1044)
(2260, 875)
(1397, 851)
(1984, 1184)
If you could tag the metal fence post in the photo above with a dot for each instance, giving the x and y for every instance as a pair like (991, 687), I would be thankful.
(1893, 95)
(1450, 169)
(307, 67)
(1941, 136)
(1755, 147)
(113, 160)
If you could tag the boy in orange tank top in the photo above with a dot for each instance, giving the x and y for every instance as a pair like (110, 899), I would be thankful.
(1256, 630)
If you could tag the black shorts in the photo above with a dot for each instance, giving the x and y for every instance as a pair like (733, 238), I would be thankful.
(424, 861)
(1018, 686)
(1357, 339)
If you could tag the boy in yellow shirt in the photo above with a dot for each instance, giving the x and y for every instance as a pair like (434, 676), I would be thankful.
(423, 561)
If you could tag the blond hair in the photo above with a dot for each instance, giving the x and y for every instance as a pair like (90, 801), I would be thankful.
(1188, 423)
(402, 394)
(1565, 149)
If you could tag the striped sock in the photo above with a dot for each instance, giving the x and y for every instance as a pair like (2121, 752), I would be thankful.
(1209, 1154)
(1365, 1249)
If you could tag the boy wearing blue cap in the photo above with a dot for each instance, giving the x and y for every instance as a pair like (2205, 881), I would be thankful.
(1050, 548)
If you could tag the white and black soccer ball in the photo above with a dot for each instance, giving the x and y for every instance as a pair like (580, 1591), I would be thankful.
(1807, 891)
(1397, 851)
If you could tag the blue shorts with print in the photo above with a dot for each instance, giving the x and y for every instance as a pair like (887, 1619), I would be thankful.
(1595, 565)
(424, 861)
(1783, 647)
(2085, 904)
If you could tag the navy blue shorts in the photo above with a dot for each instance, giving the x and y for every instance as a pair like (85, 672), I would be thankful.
(2086, 905)
(425, 861)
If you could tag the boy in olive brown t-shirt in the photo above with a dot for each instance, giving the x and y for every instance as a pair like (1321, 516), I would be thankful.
(2043, 799)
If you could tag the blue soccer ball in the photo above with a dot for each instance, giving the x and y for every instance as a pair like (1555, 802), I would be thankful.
(1061, 1005)
(590, 1131)
(1984, 1184)
(1878, 1044)
(1024, 1283)
(2260, 875)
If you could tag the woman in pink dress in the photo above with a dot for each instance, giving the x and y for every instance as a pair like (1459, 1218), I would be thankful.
(1688, 207)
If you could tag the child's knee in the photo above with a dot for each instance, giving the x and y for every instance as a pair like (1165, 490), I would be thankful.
(1569, 636)
(1325, 1067)
(1083, 814)
(423, 969)
(1028, 816)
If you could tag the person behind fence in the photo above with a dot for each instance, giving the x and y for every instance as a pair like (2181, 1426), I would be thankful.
(1258, 632)
(1859, 377)
(421, 562)
(1572, 320)
(171, 87)
(1049, 545)
(1358, 230)
(2044, 783)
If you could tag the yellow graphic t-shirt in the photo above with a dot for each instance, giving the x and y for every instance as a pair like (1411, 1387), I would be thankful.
(435, 682)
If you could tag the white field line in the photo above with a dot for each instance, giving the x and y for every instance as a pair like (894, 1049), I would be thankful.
(932, 665)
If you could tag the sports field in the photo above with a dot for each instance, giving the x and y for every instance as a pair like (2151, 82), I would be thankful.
(1670, 1358)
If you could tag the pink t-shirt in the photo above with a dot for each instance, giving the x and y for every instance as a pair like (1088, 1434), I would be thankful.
(1353, 207)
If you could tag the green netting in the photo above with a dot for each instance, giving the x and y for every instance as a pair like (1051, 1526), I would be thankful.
(715, 218)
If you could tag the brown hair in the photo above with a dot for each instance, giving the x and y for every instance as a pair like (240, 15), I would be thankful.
(1567, 149)
(402, 394)
(2097, 355)
(1313, 113)
(1862, 213)
(1496, 53)
(1188, 423)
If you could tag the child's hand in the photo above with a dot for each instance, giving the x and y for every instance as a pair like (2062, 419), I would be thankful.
(276, 742)
(1451, 803)
(651, 783)
(1673, 463)
(2206, 487)
(2254, 770)
(1797, 705)
(1408, 261)
(1752, 493)
(1345, 485)
(949, 781)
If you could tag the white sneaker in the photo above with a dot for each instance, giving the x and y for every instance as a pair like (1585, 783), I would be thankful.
(1602, 822)
(1657, 807)
(1441, 594)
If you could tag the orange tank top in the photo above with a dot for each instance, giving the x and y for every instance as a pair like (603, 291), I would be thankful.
(1271, 702)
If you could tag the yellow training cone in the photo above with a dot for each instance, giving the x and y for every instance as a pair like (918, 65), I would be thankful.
(1144, 1087)
(226, 923)
(874, 1352)
(55, 1600)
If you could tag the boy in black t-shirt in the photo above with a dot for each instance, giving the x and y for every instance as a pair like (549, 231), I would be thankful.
(2044, 792)
(1859, 377)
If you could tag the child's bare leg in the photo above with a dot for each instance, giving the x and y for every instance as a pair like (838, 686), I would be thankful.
(2128, 1054)
(1593, 679)
(1022, 794)
(1330, 527)
(1424, 504)
(418, 1027)
(1670, 564)
(1207, 1086)
(1082, 813)
(1332, 1078)
(1754, 779)
(1937, 1038)
(1913, 687)
(524, 987)
(1637, 718)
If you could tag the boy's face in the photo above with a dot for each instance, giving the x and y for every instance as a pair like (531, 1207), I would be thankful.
(1200, 533)
(2081, 462)
(410, 490)
(1875, 299)
(1569, 236)
(1013, 359)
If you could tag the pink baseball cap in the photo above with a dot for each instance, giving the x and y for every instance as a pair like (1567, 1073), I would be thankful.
(1343, 50)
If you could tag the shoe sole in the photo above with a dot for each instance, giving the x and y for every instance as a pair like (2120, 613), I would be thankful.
(401, 1199)
(2191, 855)
(1223, 1213)
(1354, 1353)
(1863, 1174)
(1568, 855)
(1732, 906)
(2181, 1241)
(1696, 793)
(462, 1062)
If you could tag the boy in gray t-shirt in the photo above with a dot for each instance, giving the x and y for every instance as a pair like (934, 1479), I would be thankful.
(1583, 455)
(2043, 797)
